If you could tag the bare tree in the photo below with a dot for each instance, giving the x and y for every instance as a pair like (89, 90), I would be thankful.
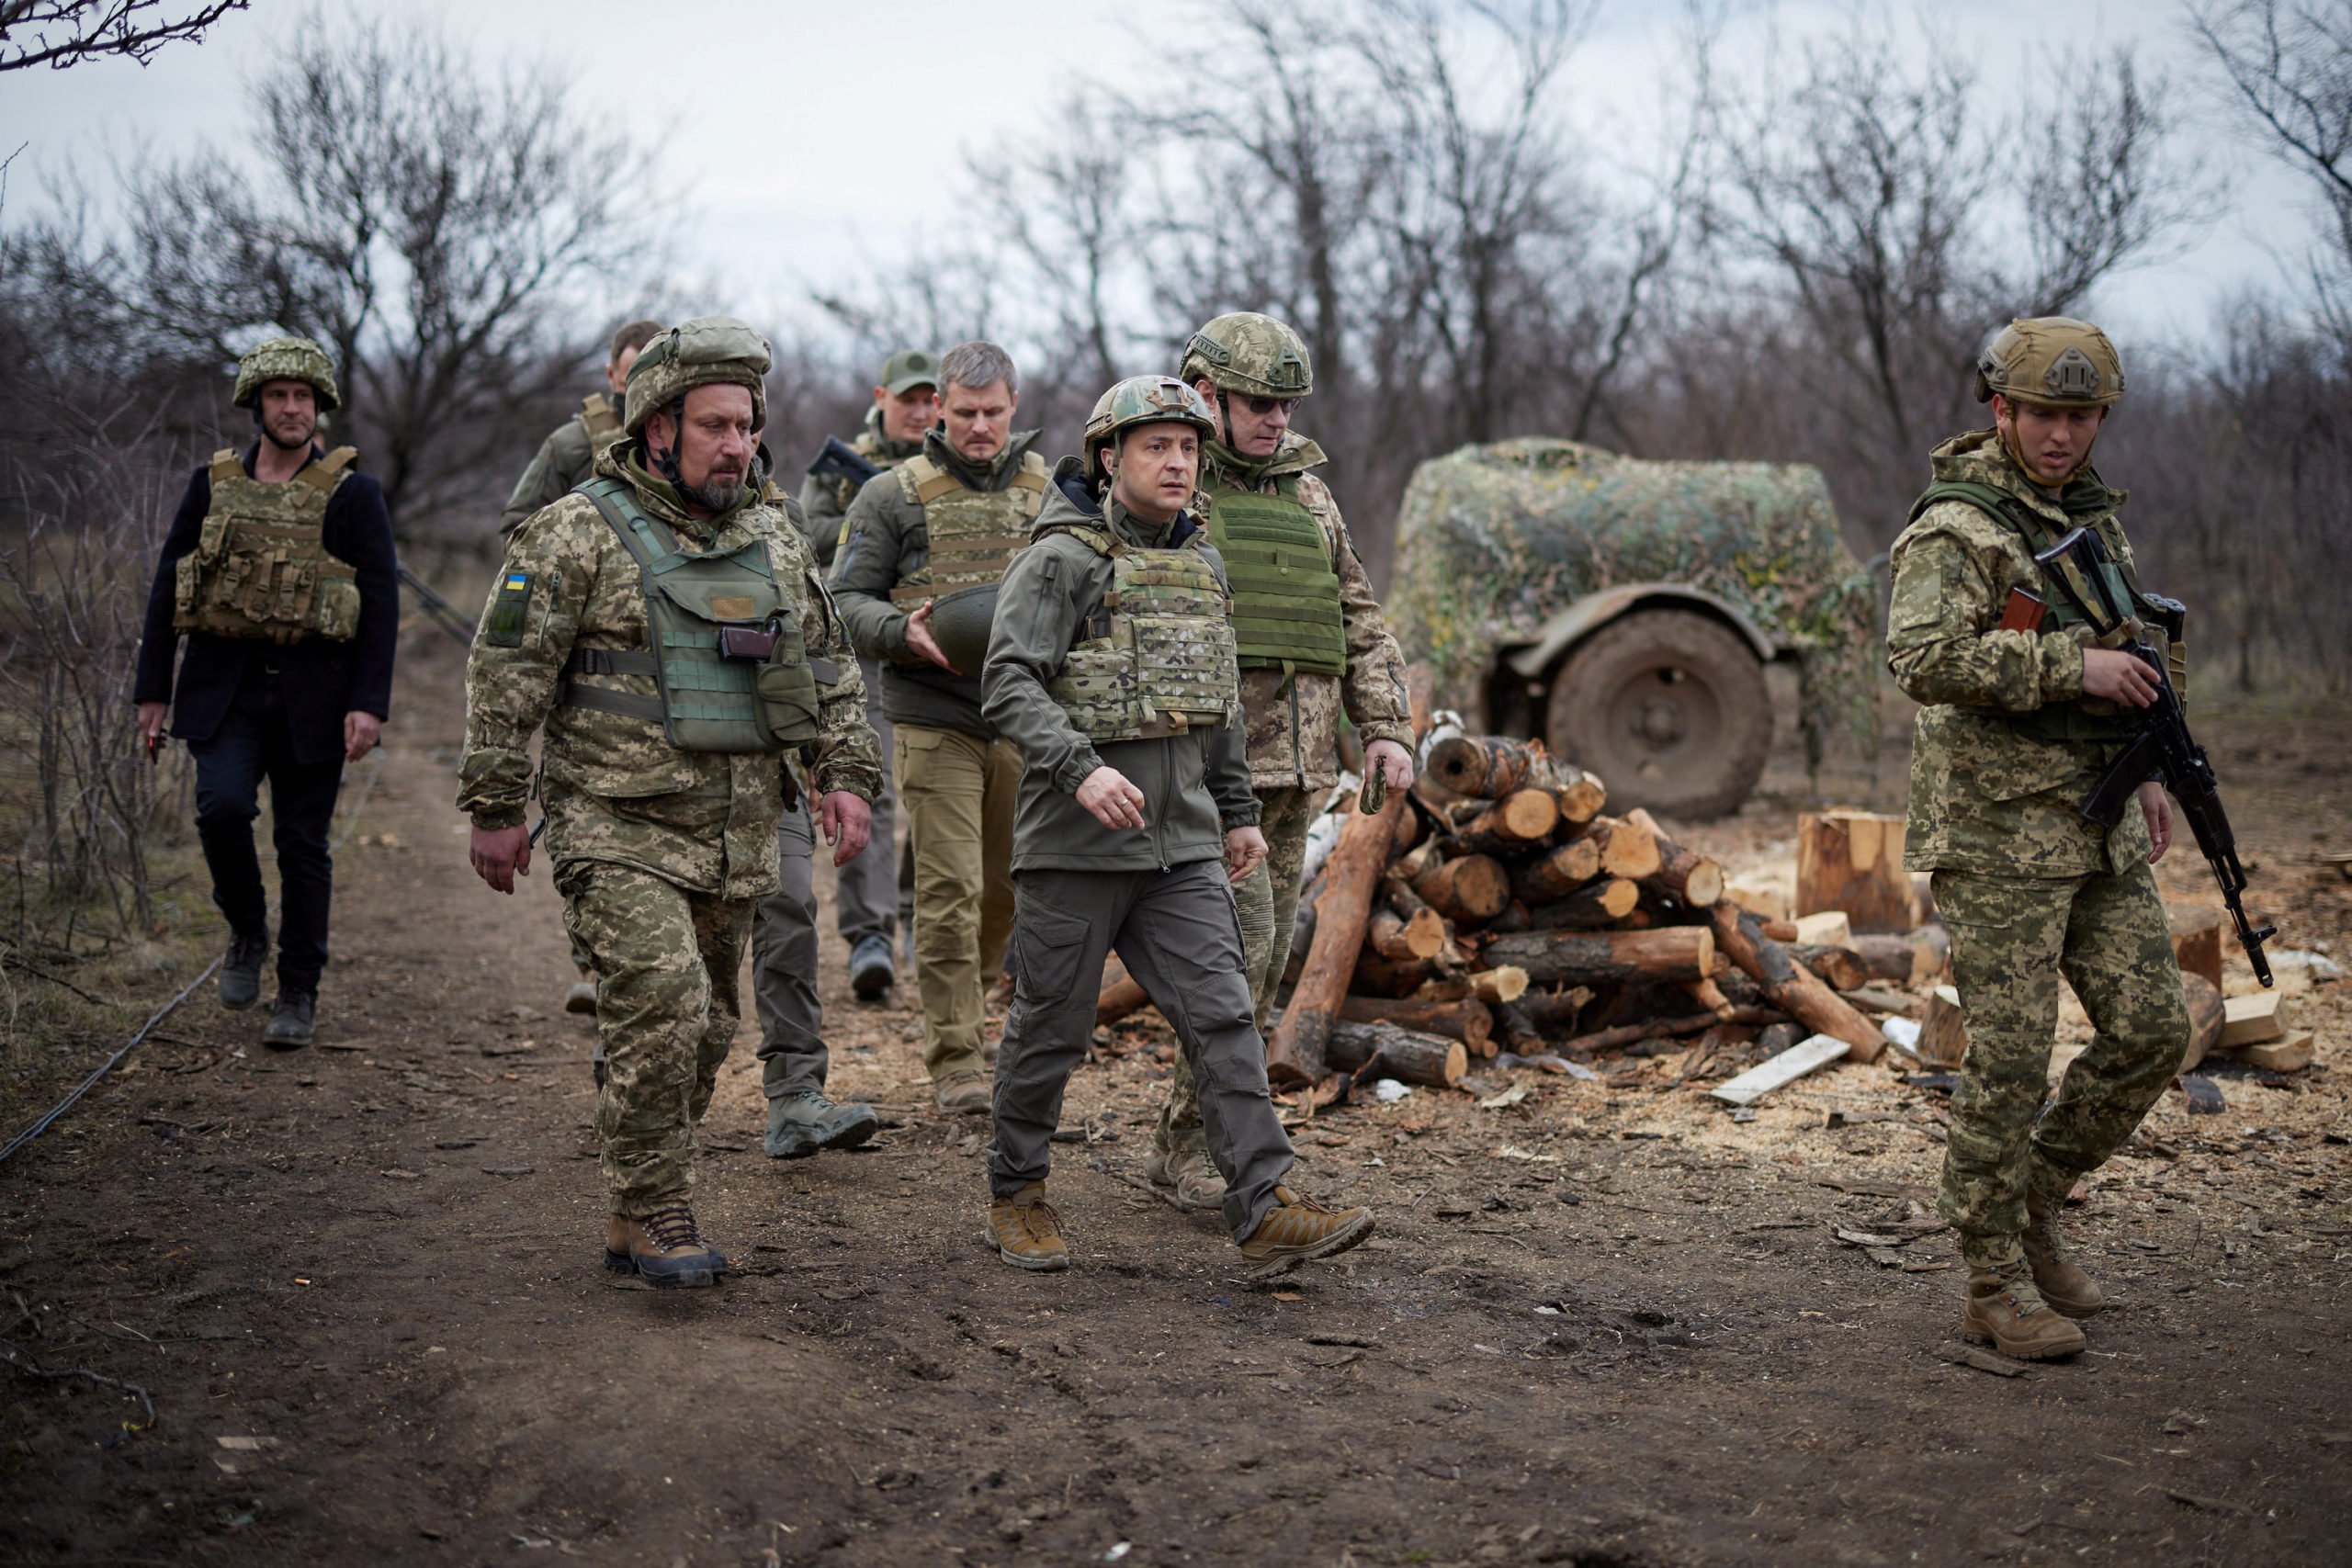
(450, 234)
(61, 33)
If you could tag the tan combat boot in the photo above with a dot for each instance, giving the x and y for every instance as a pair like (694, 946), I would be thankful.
(665, 1249)
(1298, 1229)
(2060, 1281)
(1027, 1232)
(965, 1094)
(1192, 1173)
(2005, 1310)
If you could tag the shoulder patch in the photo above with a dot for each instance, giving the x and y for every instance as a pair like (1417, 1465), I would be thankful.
(510, 610)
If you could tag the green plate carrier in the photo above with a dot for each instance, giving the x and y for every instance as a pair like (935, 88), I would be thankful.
(1285, 595)
(703, 701)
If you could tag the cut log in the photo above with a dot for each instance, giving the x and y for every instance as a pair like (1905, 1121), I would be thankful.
(1490, 767)
(1943, 1035)
(1517, 822)
(1405, 1054)
(1467, 890)
(1377, 976)
(1764, 903)
(2197, 942)
(1628, 848)
(1691, 879)
(1581, 795)
(1593, 908)
(1295, 1055)
(1384, 935)
(1904, 958)
(1593, 958)
(2253, 1021)
(1420, 696)
(1830, 928)
(1517, 1031)
(1878, 999)
(1710, 996)
(1512, 919)
(1559, 872)
(1120, 993)
(2204, 1019)
(1555, 1008)
(1470, 1020)
(1841, 967)
(1667, 1028)
(1793, 986)
(1779, 930)
(1500, 982)
(2292, 1054)
(1852, 861)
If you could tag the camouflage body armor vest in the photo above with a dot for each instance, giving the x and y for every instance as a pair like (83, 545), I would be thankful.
(972, 533)
(600, 422)
(2084, 719)
(260, 567)
(730, 669)
(1157, 657)
(1286, 611)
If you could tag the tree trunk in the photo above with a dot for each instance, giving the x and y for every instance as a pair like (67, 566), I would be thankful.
(1842, 969)
(2205, 1017)
(1595, 958)
(1559, 872)
(1694, 880)
(1628, 848)
(1470, 1020)
(1852, 861)
(1794, 988)
(1593, 908)
(1517, 822)
(1405, 1054)
(1295, 1055)
(1466, 891)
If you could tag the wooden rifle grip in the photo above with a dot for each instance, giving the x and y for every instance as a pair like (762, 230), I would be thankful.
(2022, 613)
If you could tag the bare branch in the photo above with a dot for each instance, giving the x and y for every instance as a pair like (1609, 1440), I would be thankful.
(64, 33)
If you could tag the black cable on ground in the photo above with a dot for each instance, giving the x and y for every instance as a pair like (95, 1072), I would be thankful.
(31, 1368)
(446, 615)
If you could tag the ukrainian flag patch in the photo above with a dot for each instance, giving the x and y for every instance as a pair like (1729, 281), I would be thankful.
(510, 612)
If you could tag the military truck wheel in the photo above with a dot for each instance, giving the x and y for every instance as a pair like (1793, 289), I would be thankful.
(1669, 706)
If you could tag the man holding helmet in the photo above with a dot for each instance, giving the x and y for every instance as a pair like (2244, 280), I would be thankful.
(1311, 645)
(280, 571)
(2024, 709)
(1111, 665)
(667, 625)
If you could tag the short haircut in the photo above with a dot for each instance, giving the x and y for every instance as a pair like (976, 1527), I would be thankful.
(637, 334)
(976, 365)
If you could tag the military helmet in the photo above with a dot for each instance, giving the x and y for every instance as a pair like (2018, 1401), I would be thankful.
(960, 621)
(707, 351)
(2053, 361)
(1245, 352)
(285, 359)
(1143, 399)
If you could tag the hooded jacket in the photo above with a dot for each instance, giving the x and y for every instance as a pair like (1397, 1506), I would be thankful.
(1195, 785)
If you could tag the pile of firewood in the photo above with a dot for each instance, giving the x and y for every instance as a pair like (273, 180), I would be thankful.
(1497, 908)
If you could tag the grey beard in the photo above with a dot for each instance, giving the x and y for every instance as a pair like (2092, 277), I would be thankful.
(720, 494)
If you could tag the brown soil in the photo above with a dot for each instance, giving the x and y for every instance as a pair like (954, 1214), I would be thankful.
(1605, 1324)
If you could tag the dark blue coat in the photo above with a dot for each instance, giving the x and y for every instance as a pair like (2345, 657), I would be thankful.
(322, 680)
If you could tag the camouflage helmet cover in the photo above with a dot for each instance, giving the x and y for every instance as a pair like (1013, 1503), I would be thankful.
(1143, 399)
(2053, 362)
(285, 359)
(705, 351)
(1245, 352)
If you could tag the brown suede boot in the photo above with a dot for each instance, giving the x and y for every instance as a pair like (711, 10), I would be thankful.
(1298, 1229)
(1193, 1176)
(1027, 1232)
(2005, 1310)
(665, 1249)
(2060, 1281)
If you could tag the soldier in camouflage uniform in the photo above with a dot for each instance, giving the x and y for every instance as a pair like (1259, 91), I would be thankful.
(2019, 724)
(565, 460)
(1311, 647)
(876, 892)
(669, 711)
(1111, 664)
(942, 523)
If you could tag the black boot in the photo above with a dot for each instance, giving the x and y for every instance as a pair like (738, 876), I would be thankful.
(293, 1023)
(241, 971)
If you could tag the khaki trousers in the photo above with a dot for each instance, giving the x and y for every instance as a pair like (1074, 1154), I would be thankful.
(957, 792)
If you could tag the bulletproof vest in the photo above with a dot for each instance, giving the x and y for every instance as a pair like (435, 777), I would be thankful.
(730, 671)
(600, 422)
(2084, 719)
(1157, 659)
(260, 567)
(972, 533)
(1285, 595)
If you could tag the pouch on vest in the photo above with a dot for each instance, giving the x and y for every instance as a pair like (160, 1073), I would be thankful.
(1164, 664)
(260, 567)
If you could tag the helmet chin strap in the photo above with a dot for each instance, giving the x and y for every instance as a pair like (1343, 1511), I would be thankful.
(666, 462)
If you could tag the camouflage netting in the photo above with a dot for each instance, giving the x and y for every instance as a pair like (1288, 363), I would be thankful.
(1492, 541)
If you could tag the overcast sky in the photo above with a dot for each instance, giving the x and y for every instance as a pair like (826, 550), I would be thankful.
(819, 136)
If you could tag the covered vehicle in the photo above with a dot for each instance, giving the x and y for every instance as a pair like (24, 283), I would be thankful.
(1624, 610)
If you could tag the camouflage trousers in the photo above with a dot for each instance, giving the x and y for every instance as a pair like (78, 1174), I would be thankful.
(1267, 902)
(2012, 936)
(666, 961)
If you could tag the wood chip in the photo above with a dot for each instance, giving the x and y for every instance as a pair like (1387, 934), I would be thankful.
(1982, 1361)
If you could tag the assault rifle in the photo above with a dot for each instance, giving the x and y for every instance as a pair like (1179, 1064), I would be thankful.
(2164, 749)
(837, 459)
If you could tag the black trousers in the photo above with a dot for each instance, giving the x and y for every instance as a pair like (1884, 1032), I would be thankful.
(255, 742)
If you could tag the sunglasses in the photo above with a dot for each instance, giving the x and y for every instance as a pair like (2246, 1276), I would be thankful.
(1261, 407)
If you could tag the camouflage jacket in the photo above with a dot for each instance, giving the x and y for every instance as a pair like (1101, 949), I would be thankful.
(1985, 796)
(1293, 721)
(824, 499)
(615, 788)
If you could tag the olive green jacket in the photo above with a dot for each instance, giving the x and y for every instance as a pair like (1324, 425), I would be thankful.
(1195, 785)
(825, 498)
(1985, 796)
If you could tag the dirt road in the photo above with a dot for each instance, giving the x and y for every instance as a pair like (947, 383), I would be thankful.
(1603, 1326)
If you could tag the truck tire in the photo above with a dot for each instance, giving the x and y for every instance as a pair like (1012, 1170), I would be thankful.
(1669, 707)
